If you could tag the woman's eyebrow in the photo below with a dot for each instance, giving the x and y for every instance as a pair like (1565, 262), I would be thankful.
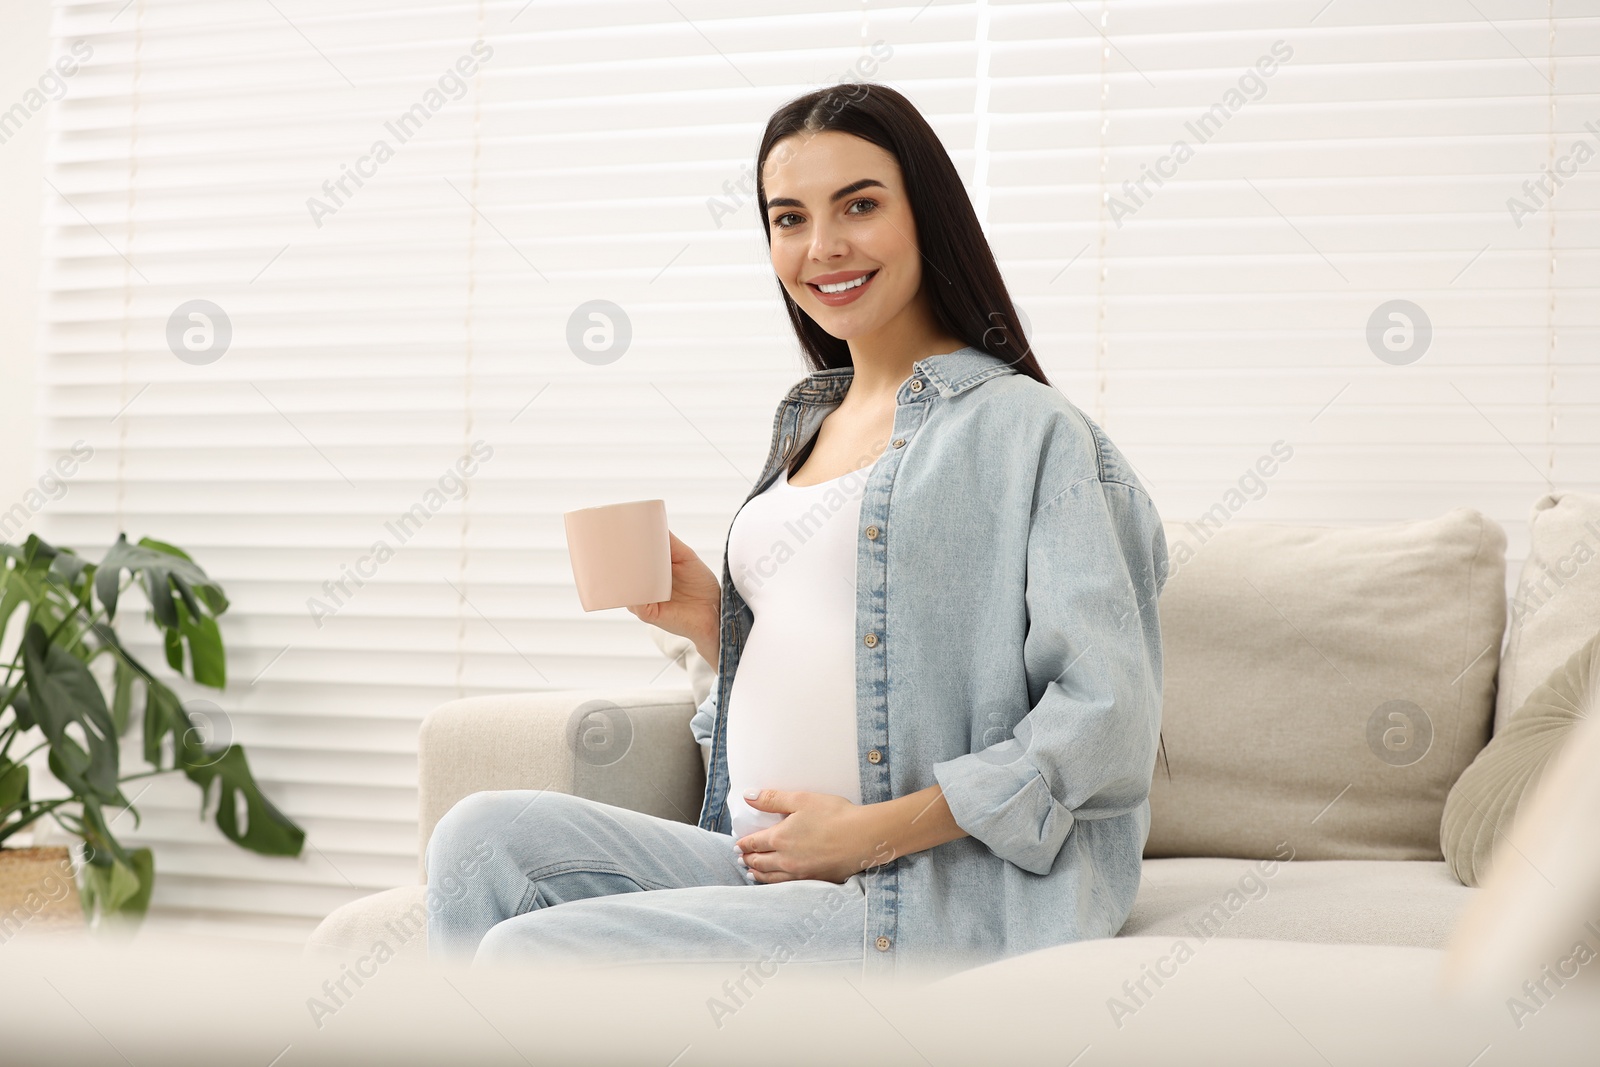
(853, 187)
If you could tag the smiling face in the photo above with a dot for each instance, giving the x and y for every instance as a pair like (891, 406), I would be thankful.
(840, 220)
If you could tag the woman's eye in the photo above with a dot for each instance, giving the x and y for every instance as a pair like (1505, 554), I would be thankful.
(849, 210)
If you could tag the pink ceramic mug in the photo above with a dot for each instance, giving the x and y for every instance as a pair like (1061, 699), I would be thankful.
(621, 554)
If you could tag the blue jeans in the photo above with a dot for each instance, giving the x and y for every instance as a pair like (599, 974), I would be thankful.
(535, 875)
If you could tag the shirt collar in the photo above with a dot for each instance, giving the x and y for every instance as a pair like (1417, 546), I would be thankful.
(949, 372)
(955, 371)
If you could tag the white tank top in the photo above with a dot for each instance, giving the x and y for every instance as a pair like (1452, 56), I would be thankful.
(792, 711)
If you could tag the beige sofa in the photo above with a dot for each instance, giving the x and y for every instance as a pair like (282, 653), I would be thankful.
(1324, 687)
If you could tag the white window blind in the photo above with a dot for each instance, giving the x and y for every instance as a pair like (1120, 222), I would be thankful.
(397, 209)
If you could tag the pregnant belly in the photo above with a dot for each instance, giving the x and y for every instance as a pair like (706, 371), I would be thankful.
(790, 729)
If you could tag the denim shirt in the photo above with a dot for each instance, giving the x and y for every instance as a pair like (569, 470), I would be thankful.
(1008, 567)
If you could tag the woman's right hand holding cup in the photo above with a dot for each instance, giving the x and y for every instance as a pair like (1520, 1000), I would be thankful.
(695, 610)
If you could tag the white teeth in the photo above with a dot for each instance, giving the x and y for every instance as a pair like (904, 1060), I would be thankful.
(842, 286)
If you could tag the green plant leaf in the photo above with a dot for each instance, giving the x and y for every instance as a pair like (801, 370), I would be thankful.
(101, 847)
(162, 546)
(13, 786)
(172, 643)
(19, 702)
(23, 579)
(109, 637)
(62, 691)
(158, 590)
(163, 715)
(210, 592)
(120, 892)
(267, 830)
(108, 578)
(112, 885)
(37, 553)
(70, 763)
(144, 865)
(160, 568)
(123, 677)
(208, 664)
(70, 567)
(14, 591)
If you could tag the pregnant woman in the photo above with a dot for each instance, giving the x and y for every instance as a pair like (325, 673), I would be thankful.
(937, 704)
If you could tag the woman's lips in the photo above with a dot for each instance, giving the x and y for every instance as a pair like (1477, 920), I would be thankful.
(849, 296)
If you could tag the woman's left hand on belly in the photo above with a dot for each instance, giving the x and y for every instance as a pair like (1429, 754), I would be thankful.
(821, 836)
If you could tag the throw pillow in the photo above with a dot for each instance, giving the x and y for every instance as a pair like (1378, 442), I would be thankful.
(1484, 801)
(1324, 686)
(1557, 599)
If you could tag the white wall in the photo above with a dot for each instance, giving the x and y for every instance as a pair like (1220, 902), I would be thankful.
(24, 48)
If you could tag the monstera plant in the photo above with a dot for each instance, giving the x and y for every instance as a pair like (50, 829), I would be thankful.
(82, 717)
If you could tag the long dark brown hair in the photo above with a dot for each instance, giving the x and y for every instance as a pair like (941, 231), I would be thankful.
(960, 276)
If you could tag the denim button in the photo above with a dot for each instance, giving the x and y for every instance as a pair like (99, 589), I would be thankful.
(916, 385)
(784, 451)
(871, 640)
(874, 756)
(882, 943)
(898, 441)
(872, 533)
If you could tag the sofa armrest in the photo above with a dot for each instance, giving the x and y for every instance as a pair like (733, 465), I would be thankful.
(631, 748)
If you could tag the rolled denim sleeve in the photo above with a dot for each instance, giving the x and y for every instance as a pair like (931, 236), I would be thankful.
(1097, 561)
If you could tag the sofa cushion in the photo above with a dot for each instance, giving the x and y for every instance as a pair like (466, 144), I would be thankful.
(1355, 902)
(1323, 686)
(395, 918)
(1483, 803)
(1361, 902)
(1554, 608)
